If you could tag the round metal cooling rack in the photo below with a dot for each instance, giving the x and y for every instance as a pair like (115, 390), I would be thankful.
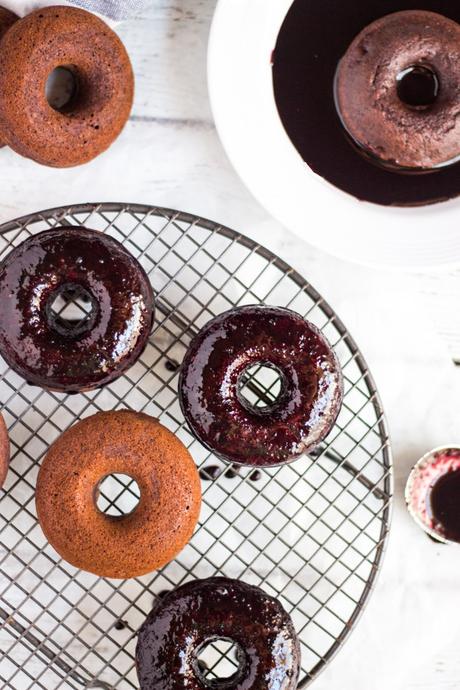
(311, 533)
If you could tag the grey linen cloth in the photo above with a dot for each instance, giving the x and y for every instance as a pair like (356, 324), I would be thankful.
(113, 10)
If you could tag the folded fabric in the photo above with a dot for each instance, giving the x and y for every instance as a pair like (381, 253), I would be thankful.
(114, 10)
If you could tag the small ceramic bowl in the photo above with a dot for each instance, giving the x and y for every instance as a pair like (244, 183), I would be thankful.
(424, 475)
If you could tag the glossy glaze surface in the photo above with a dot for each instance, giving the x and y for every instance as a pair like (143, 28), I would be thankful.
(31, 340)
(313, 39)
(202, 610)
(445, 505)
(311, 392)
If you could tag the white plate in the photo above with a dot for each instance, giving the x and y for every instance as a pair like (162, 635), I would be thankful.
(243, 36)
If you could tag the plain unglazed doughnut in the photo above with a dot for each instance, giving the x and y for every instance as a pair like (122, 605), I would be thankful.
(4, 451)
(83, 44)
(162, 523)
(398, 90)
(7, 20)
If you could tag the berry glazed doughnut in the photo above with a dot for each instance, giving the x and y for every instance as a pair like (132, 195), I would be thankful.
(155, 531)
(213, 371)
(84, 45)
(4, 451)
(202, 611)
(65, 264)
(398, 90)
(7, 20)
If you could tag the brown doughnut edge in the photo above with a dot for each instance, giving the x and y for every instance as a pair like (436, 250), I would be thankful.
(81, 42)
(7, 19)
(159, 527)
(367, 97)
(4, 451)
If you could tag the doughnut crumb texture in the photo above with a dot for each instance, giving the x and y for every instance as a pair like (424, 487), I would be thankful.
(7, 19)
(80, 42)
(4, 451)
(397, 91)
(121, 442)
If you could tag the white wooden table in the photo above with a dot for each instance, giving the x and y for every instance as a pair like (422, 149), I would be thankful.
(408, 326)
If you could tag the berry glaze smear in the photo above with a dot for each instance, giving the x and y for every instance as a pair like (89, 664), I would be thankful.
(433, 493)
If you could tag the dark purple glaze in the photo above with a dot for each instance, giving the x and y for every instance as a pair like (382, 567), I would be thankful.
(312, 40)
(36, 345)
(210, 472)
(232, 472)
(309, 402)
(218, 608)
(445, 505)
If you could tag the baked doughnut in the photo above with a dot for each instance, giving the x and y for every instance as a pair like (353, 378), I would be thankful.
(83, 44)
(398, 90)
(201, 611)
(7, 19)
(4, 451)
(52, 352)
(213, 371)
(155, 531)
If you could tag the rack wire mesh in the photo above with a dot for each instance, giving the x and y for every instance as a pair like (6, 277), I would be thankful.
(311, 533)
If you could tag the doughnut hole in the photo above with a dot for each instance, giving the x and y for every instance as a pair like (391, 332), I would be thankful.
(62, 88)
(261, 387)
(418, 86)
(219, 663)
(71, 310)
(117, 495)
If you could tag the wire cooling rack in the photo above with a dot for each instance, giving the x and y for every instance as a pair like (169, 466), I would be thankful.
(311, 533)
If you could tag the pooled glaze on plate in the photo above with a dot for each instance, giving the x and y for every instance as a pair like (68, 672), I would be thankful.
(313, 39)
